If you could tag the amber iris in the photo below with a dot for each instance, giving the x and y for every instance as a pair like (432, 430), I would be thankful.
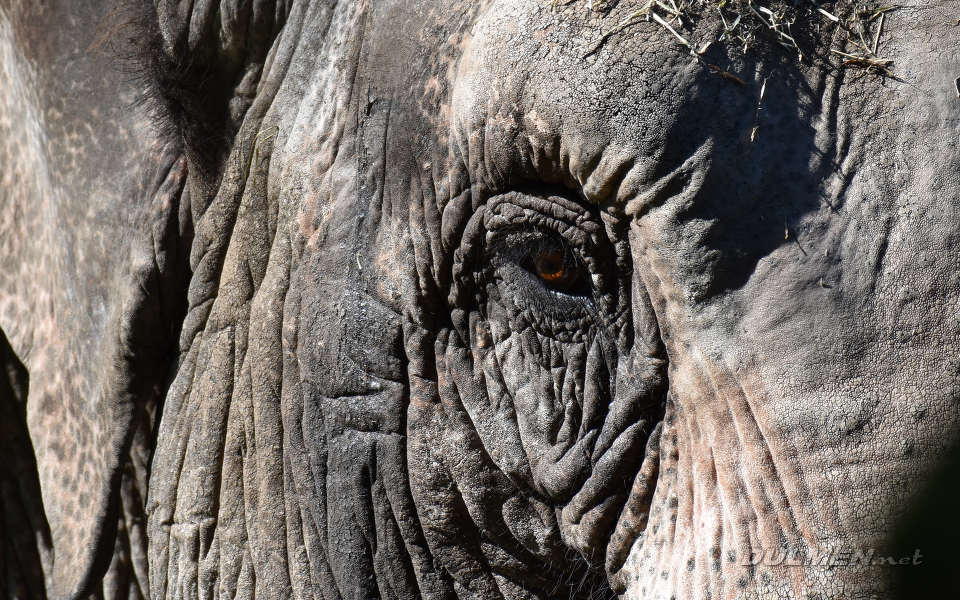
(555, 269)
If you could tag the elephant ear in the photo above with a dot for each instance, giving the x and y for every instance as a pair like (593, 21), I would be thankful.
(84, 440)
(87, 293)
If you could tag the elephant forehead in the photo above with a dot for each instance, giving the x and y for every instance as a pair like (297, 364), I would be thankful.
(556, 94)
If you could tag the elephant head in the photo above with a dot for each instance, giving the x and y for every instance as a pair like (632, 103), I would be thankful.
(521, 299)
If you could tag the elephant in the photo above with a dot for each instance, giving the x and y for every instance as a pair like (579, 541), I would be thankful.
(519, 299)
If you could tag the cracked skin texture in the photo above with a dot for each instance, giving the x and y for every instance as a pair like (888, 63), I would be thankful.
(284, 338)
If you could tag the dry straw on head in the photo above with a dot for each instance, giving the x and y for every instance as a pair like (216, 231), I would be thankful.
(852, 29)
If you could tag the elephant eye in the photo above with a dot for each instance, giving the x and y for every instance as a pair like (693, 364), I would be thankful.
(555, 269)
(546, 256)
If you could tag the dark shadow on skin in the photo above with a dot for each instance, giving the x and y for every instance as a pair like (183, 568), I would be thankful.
(24, 532)
(756, 191)
(931, 528)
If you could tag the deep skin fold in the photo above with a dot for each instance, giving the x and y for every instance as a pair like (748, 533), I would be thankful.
(331, 424)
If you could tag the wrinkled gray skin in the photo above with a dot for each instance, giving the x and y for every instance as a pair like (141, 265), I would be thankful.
(274, 332)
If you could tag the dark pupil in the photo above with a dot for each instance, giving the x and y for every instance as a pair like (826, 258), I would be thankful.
(555, 269)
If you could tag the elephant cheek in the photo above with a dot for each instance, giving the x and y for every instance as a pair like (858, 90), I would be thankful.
(609, 512)
(576, 436)
(635, 515)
